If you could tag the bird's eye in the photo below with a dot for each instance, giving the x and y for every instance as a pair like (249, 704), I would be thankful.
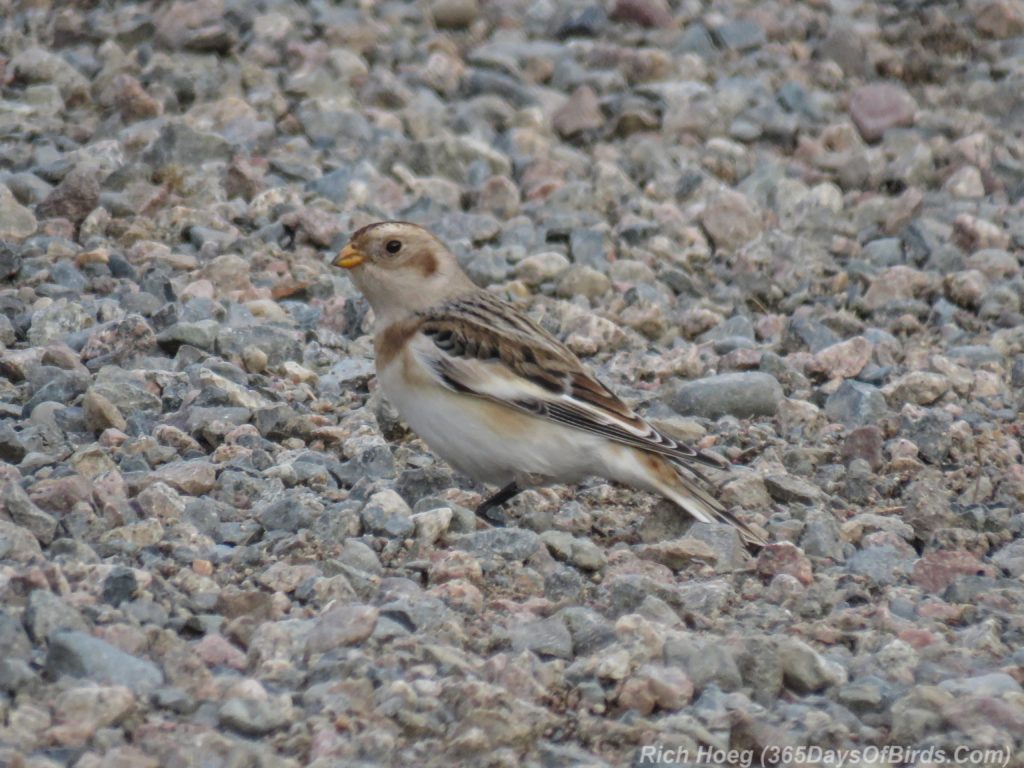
(393, 246)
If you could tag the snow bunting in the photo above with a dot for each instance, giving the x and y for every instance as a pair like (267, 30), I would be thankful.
(497, 396)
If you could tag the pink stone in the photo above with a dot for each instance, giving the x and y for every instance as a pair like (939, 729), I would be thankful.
(877, 107)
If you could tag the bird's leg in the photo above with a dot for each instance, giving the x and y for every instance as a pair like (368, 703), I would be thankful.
(488, 509)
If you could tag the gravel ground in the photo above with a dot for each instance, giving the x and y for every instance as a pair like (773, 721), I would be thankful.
(790, 230)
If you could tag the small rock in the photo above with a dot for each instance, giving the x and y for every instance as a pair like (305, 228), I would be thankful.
(966, 183)
(704, 662)
(454, 14)
(667, 688)
(16, 221)
(679, 553)
(743, 395)
(387, 514)
(580, 113)
(821, 536)
(217, 651)
(785, 558)
(973, 233)
(16, 506)
(162, 502)
(1001, 19)
(856, 404)
(17, 543)
(863, 443)
(788, 489)
(77, 654)
(46, 612)
(119, 586)
(724, 541)
(509, 543)
(431, 524)
(548, 638)
(877, 107)
(646, 13)
(805, 670)
(101, 414)
(845, 359)
(340, 626)
(582, 553)
(87, 708)
(12, 449)
(1011, 558)
(992, 684)
(74, 198)
(192, 478)
(937, 570)
(731, 220)
(541, 268)
(581, 280)
(256, 717)
(918, 387)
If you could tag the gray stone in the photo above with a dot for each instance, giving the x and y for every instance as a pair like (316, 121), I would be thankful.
(992, 684)
(856, 404)
(582, 553)
(740, 35)
(743, 395)
(11, 446)
(869, 694)
(590, 248)
(805, 670)
(201, 334)
(45, 612)
(883, 564)
(930, 432)
(181, 143)
(77, 654)
(255, 717)
(548, 638)
(17, 544)
(590, 630)
(705, 662)
(279, 344)
(341, 626)
(287, 514)
(20, 510)
(120, 586)
(16, 222)
(387, 514)
(821, 536)
(13, 638)
(787, 489)
(509, 543)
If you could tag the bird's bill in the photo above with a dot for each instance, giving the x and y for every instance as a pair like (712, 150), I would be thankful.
(349, 257)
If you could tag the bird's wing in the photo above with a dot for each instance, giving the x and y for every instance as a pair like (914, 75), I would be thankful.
(482, 346)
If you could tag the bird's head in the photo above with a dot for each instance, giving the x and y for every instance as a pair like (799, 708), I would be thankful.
(401, 268)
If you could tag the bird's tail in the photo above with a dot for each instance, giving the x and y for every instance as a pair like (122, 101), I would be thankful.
(689, 488)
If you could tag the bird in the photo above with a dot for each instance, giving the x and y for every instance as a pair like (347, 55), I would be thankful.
(497, 396)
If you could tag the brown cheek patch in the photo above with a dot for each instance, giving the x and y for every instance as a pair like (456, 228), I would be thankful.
(425, 262)
(390, 341)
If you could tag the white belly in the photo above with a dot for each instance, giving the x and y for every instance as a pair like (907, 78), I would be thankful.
(488, 442)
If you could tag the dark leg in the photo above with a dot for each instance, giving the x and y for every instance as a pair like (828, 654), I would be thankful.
(488, 509)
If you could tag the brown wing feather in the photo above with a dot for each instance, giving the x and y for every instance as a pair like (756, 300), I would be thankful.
(482, 327)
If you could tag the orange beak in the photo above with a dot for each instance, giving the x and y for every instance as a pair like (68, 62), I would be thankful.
(349, 257)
